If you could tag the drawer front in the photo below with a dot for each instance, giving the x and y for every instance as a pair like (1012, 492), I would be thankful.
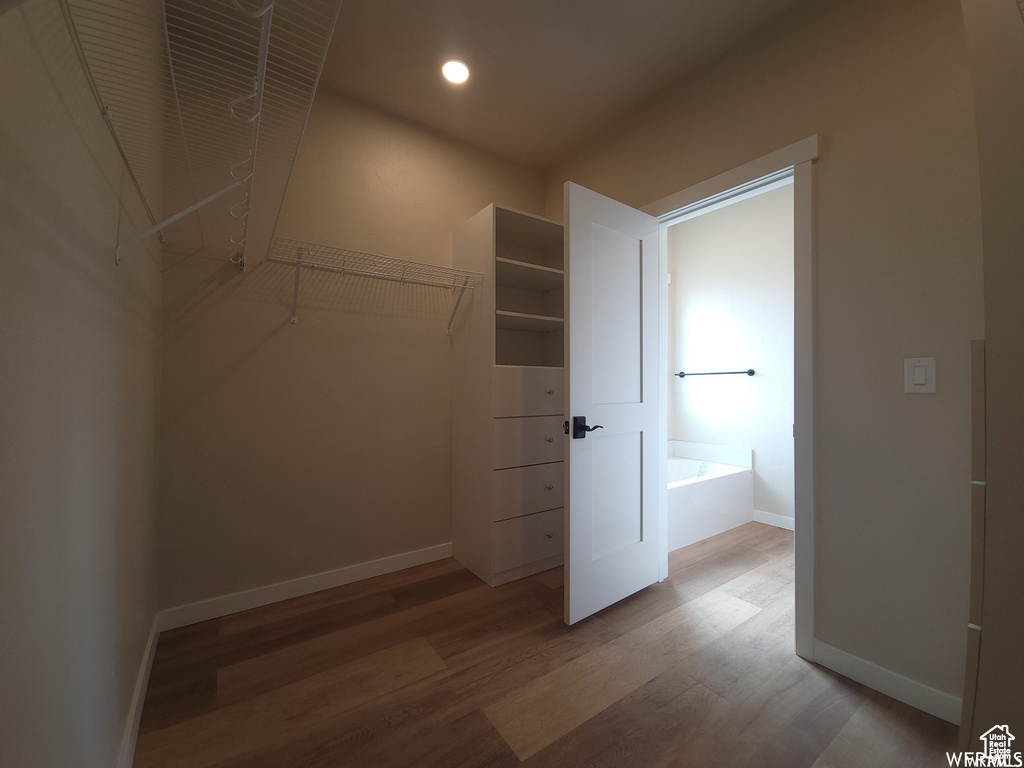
(530, 440)
(525, 490)
(528, 392)
(523, 540)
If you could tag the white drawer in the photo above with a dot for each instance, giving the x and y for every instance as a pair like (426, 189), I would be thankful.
(528, 391)
(523, 540)
(525, 490)
(530, 440)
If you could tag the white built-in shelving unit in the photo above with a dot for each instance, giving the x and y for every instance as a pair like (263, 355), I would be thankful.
(509, 397)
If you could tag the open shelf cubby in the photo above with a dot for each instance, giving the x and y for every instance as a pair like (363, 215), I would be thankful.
(528, 239)
(529, 348)
(529, 290)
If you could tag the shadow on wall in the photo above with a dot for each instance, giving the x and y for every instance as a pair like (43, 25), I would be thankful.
(288, 437)
(215, 280)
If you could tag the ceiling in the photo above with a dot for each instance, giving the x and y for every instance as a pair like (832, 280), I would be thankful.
(545, 74)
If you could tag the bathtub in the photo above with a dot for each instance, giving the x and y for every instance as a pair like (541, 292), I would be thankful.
(710, 490)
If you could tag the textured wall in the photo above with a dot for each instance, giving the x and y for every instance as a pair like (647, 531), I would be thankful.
(79, 378)
(290, 450)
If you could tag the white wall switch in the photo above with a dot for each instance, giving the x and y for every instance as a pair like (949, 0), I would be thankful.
(919, 375)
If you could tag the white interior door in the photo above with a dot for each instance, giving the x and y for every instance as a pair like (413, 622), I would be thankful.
(613, 537)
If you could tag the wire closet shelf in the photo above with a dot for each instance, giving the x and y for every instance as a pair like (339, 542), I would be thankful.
(331, 258)
(206, 101)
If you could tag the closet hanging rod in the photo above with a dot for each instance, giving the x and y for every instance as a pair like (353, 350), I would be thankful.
(191, 209)
(748, 372)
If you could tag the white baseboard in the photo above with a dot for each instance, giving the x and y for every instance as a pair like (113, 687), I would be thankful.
(770, 518)
(172, 618)
(214, 608)
(131, 729)
(918, 695)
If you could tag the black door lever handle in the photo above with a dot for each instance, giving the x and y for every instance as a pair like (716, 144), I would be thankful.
(580, 428)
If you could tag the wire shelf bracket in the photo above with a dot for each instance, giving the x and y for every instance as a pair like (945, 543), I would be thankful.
(329, 258)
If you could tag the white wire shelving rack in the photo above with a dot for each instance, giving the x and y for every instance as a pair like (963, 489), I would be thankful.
(329, 258)
(206, 101)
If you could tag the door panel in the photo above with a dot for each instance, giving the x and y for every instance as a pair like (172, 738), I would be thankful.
(616, 271)
(617, 491)
(614, 546)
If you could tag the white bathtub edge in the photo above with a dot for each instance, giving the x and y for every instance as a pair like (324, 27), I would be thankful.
(717, 454)
(770, 518)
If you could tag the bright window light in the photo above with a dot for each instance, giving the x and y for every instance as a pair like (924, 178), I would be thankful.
(455, 71)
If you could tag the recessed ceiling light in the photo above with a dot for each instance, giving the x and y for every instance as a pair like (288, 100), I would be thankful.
(455, 71)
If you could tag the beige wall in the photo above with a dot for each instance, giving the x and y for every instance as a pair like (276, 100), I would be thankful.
(997, 60)
(79, 377)
(731, 308)
(898, 274)
(290, 450)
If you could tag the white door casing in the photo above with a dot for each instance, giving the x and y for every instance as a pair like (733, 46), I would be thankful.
(799, 156)
(614, 541)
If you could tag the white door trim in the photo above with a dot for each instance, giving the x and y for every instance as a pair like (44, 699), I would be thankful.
(803, 401)
(800, 157)
(803, 151)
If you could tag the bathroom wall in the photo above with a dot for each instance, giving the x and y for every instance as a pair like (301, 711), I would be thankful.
(898, 273)
(731, 308)
(291, 450)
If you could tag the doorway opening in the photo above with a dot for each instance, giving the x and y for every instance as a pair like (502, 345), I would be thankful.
(730, 360)
(793, 167)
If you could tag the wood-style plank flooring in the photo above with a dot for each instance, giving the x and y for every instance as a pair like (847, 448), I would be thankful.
(431, 667)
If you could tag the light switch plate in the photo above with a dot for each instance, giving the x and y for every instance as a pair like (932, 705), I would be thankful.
(919, 375)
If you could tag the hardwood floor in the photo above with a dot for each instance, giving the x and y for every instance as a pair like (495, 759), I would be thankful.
(431, 667)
